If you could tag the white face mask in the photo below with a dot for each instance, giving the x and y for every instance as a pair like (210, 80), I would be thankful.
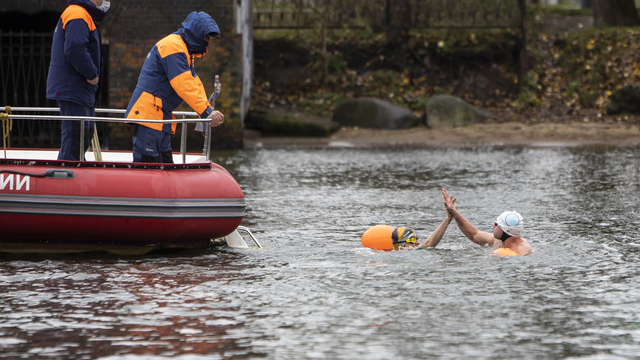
(105, 6)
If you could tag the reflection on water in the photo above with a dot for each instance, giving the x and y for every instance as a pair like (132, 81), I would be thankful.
(314, 292)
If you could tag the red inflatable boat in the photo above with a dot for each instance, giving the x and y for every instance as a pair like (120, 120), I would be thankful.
(63, 206)
(110, 203)
(50, 205)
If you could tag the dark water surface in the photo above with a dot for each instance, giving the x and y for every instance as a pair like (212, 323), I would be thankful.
(313, 292)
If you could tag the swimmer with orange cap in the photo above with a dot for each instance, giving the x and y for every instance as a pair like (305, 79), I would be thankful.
(385, 237)
(505, 237)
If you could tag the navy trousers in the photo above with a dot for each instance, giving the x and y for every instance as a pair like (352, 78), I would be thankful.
(70, 144)
(152, 146)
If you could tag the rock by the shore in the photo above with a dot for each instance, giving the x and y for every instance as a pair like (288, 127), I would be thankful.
(447, 111)
(625, 100)
(374, 114)
(288, 123)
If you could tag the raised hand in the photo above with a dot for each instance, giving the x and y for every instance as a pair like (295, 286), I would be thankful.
(449, 214)
(449, 202)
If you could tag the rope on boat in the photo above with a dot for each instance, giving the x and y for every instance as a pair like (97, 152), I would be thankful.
(95, 144)
(7, 125)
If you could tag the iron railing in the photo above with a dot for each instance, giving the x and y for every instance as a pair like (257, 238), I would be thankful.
(181, 117)
(24, 67)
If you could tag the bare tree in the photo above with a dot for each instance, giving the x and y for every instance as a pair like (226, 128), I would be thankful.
(615, 13)
(317, 16)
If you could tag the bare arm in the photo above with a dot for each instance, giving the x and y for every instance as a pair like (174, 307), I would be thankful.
(438, 233)
(470, 231)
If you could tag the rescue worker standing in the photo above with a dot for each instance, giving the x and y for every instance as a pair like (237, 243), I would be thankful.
(167, 79)
(74, 71)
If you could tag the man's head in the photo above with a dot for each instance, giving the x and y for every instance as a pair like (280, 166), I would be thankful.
(508, 224)
(209, 37)
(198, 30)
(103, 5)
(404, 236)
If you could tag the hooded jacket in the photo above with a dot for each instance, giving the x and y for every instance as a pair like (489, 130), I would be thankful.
(76, 55)
(168, 75)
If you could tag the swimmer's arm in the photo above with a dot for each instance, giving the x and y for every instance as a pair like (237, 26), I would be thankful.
(471, 232)
(437, 234)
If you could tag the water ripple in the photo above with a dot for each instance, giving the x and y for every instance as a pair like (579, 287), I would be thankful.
(314, 292)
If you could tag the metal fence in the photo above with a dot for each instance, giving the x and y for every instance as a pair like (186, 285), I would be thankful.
(413, 14)
(24, 67)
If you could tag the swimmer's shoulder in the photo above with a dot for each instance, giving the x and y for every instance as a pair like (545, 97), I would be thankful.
(518, 246)
(524, 247)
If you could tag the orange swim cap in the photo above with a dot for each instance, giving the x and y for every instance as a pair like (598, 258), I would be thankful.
(378, 237)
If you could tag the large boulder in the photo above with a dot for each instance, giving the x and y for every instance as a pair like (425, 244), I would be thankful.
(288, 123)
(447, 111)
(374, 114)
(625, 100)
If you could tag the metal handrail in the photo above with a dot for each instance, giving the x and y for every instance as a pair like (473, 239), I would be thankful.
(184, 121)
(98, 110)
(101, 119)
(248, 232)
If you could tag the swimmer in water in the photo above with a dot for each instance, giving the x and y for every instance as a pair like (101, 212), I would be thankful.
(385, 237)
(505, 235)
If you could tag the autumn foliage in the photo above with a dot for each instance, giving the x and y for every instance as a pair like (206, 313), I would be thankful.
(571, 74)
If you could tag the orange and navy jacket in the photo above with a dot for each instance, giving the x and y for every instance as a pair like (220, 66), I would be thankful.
(75, 55)
(168, 75)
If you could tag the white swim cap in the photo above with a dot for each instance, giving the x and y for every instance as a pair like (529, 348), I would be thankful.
(510, 222)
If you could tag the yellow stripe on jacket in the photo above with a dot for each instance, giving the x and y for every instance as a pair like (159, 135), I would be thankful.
(74, 12)
(188, 87)
(191, 90)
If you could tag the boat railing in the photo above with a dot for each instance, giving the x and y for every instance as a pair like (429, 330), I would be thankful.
(236, 240)
(181, 117)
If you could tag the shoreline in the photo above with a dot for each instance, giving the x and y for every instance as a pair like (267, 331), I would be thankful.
(509, 134)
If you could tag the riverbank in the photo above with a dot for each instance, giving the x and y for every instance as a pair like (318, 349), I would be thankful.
(615, 134)
(561, 100)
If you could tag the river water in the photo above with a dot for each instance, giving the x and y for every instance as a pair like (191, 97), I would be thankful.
(313, 291)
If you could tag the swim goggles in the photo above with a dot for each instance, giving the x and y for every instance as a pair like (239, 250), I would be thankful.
(403, 235)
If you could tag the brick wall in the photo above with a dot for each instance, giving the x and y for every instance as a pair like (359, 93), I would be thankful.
(132, 27)
(31, 7)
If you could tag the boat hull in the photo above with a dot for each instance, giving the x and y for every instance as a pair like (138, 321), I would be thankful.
(89, 205)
